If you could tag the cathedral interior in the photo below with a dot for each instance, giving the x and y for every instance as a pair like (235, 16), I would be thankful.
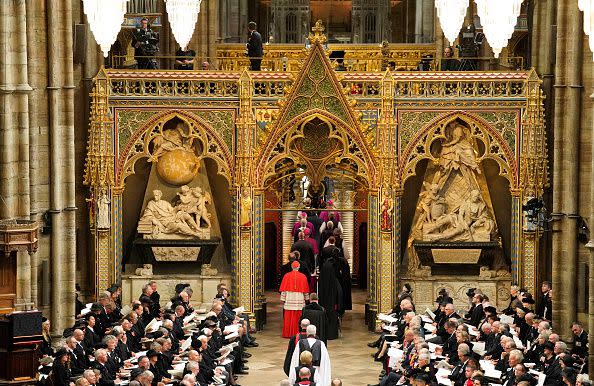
(472, 176)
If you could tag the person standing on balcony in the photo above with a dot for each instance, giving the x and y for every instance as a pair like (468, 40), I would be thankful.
(146, 44)
(254, 47)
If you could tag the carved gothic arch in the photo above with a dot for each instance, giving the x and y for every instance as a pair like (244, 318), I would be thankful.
(494, 145)
(138, 146)
(351, 150)
(317, 93)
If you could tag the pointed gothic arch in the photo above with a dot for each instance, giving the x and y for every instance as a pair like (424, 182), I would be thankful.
(139, 144)
(317, 93)
(494, 146)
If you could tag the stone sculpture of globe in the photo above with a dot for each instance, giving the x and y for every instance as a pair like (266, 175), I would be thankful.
(178, 167)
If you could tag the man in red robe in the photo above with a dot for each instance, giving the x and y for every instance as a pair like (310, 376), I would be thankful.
(294, 293)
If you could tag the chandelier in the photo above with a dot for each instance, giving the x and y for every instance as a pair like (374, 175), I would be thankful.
(183, 15)
(105, 19)
(587, 6)
(451, 15)
(498, 19)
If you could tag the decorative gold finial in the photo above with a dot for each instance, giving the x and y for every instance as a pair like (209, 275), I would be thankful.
(318, 34)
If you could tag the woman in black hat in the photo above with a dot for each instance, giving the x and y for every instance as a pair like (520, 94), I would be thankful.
(61, 368)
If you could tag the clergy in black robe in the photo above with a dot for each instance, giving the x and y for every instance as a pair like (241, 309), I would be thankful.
(306, 253)
(329, 251)
(316, 315)
(330, 297)
(293, 342)
(344, 278)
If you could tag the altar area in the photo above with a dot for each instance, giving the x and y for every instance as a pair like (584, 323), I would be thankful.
(194, 173)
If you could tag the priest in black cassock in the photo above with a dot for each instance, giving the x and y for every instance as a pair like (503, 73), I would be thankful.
(343, 274)
(330, 296)
(316, 315)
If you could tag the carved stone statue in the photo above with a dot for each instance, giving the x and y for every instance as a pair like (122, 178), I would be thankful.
(458, 154)
(103, 211)
(161, 220)
(471, 222)
(451, 207)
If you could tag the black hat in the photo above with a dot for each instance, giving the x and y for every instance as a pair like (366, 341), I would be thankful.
(549, 346)
(180, 287)
(43, 319)
(145, 299)
(96, 307)
(491, 310)
(568, 360)
(135, 373)
(443, 291)
(528, 298)
(152, 353)
(60, 353)
(470, 293)
(570, 374)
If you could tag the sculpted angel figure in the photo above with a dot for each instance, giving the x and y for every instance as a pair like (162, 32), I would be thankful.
(201, 201)
(426, 207)
(171, 139)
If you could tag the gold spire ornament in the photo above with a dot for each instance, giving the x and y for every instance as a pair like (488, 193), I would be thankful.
(318, 34)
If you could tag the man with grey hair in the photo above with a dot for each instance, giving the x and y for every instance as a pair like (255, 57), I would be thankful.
(146, 378)
(320, 357)
(458, 375)
(508, 376)
(90, 376)
(108, 378)
(188, 380)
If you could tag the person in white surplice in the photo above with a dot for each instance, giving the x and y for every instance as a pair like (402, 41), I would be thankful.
(320, 358)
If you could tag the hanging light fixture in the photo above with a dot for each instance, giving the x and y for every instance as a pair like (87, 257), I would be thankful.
(105, 19)
(183, 15)
(499, 19)
(587, 6)
(451, 15)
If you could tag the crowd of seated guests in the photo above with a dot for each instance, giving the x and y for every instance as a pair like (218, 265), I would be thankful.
(484, 346)
(144, 344)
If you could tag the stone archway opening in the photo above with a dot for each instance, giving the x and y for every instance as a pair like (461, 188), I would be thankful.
(312, 172)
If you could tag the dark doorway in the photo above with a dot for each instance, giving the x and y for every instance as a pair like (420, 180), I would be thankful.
(362, 255)
(270, 256)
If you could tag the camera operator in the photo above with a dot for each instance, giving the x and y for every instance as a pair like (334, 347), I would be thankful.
(468, 49)
(146, 44)
(448, 63)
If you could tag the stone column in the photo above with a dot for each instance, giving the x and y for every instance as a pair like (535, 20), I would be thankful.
(61, 127)
(590, 246)
(566, 162)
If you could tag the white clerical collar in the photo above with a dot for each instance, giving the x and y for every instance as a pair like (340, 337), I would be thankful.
(311, 341)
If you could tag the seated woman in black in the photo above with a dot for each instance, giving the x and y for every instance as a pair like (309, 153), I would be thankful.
(61, 368)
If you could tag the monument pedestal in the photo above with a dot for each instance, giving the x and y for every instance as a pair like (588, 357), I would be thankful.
(204, 286)
(425, 289)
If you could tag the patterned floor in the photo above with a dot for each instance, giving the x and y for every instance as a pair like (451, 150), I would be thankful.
(350, 356)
